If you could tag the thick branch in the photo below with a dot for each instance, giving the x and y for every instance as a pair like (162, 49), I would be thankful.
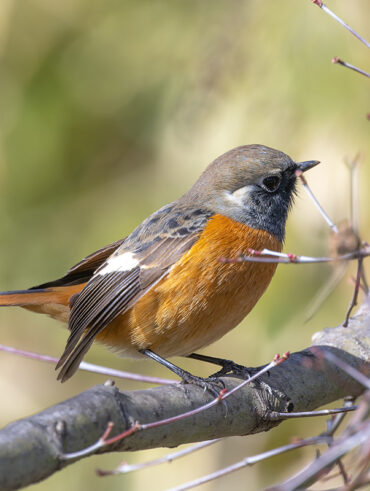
(31, 449)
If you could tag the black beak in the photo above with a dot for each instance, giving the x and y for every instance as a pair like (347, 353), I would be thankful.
(303, 166)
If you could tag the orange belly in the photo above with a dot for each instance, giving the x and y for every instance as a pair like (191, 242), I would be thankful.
(201, 298)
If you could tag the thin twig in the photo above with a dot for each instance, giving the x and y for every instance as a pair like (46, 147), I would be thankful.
(342, 446)
(325, 291)
(276, 361)
(249, 461)
(332, 426)
(332, 225)
(342, 471)
(361, 480)
(102, 442)
(91, 448)
(278, 257)
(352, 165)
(355, 292)
(360, 377)
(90, 367)
(321, 4)
(326, 437)
(309, 414)
(338, 61)
(124, 468)
(334, 422)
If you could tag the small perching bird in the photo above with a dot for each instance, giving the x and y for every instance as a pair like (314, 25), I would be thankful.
(163, 291)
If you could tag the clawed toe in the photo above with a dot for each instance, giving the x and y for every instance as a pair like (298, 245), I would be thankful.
(231, 368)
(213, 385)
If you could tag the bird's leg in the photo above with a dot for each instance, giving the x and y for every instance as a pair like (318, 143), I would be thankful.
(231, 368)
(228, 366)
(209, 384)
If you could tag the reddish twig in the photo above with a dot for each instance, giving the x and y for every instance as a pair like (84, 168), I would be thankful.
(102, 442)
(342, 471)
(276, 361)
(356, 290)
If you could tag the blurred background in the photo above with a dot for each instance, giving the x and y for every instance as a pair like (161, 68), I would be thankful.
(110, 110)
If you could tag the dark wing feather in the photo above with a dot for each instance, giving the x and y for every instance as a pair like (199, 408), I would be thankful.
(99, 315)
(84, 270)
(107, 295)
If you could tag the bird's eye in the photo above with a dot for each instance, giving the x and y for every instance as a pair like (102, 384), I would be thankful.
(271, 183)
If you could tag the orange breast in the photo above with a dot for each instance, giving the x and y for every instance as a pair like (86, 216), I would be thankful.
(201, 298)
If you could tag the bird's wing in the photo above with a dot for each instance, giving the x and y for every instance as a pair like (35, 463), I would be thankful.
(142, 260)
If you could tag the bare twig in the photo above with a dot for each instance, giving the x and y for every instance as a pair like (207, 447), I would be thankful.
(278, 257)
(342, 446)
(249, 461)
(322, 412)
(360, 377)
(321, 4)
(356, 290)
(338, 61)
(342, 471)
(124, 468)
(325, 290)
(332, 225)
(353, 203)
(352, 437)
(325, 437)
(335, 421)
(361, 480)
(346, 240)
(90, 367)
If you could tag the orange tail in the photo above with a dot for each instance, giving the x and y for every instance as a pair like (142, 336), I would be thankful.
(52, 301)
(59, 295)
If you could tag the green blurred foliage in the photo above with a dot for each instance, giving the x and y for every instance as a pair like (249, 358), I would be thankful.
(108, 110)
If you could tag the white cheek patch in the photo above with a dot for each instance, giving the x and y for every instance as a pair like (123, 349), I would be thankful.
(119, 263)
(239, 196)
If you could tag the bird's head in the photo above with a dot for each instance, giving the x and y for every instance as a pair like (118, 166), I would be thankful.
(252, 184)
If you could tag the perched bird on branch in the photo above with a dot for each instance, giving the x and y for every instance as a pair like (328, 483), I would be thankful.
(163, 291)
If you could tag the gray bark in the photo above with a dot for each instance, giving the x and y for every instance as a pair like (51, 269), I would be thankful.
(31, 449)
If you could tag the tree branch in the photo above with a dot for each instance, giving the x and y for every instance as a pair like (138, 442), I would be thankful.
(32, 449)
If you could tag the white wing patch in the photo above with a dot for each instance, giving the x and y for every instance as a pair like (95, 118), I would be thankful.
(119, 263)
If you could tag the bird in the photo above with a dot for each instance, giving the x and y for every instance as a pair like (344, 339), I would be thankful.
(163, 290)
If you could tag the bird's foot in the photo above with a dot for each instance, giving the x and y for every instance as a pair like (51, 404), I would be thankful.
(231, 368)
(228, 367)
(213, 384)
(245, 373)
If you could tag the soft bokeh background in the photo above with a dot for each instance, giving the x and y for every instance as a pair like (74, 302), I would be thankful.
(108, 110)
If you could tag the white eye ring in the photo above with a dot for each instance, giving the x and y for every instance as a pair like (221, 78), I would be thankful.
(271, 183)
